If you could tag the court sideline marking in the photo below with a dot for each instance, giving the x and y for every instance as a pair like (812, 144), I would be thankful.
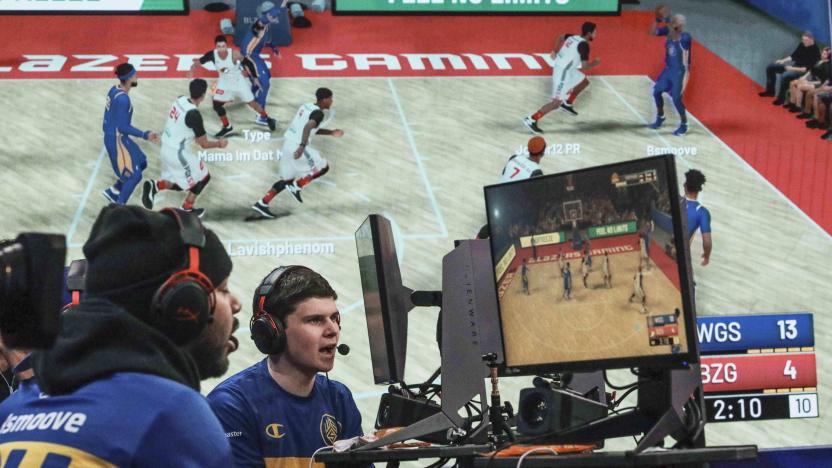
(78, 212)
(418, 158)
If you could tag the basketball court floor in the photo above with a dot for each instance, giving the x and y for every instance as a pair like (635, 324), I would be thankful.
(418, 150)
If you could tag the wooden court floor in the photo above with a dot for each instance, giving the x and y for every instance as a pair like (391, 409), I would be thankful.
(419, 150)
(543, 326)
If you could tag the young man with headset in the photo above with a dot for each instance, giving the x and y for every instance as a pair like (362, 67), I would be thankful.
(280, 411)
(120, 386)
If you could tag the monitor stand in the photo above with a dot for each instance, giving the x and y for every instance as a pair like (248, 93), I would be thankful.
(466, 281)
(660, 412)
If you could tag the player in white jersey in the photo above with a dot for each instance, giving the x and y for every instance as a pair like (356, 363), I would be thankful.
(231, 84)
(585, 266)
(181, 167)
(571, 54)
(520, 167)
(607, 272)
(638, 291)
(300, 163)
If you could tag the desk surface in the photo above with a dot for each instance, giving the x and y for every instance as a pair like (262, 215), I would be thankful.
(653, 458)
(472, 458)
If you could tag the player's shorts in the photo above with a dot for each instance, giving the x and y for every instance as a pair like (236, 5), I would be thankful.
(182, 167)
(310, 161)
(670, 81)
(563, 80)
(233, 90)
(125, 155)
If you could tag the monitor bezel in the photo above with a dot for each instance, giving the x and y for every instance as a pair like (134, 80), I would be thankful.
(385, 296)
(683, 262)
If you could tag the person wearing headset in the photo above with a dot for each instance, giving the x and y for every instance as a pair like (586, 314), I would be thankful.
(121, 383)
(281, 410)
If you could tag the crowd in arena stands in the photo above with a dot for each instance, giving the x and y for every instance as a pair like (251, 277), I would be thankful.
(663, 202)
(806, 77)
(595, 211)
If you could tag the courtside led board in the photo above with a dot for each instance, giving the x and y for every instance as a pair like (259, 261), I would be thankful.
(94, 6)
(492, 7)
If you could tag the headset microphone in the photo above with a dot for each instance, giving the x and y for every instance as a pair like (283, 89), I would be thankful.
(343, 349)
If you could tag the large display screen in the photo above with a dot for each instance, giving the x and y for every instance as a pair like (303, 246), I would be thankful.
(94, 6)
(555, 7)
(592, 269)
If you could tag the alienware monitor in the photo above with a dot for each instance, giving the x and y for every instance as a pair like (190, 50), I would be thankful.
(592, 269)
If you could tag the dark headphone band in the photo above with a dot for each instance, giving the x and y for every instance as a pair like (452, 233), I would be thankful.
(270, 282)
(267, 330)
(75, 282)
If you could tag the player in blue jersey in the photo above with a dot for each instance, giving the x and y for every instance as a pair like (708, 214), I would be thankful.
(251, 47)
(121, 384)
(127, 159)
(524, 276)
(281, 410)
(566, 273)
(699, 218)
(674, 77)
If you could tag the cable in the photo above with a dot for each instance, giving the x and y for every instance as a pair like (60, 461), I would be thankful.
(8, 384)
(623, 396)
(541, 449)
(312, 458)
(624, 387)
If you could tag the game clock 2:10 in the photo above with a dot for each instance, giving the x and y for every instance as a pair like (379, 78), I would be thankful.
(761, 406)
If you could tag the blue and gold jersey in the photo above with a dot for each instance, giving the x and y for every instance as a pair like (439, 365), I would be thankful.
(118, 114)
(674, 59)
(252, 46)
(125, 419)
(268, 426)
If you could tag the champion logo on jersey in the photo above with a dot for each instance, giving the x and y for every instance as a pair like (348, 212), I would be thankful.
(671, 51)
(330, 428)
(275, 431)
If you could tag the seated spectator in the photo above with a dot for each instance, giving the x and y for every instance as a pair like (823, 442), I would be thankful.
(802, 89)
(826, 102)
(820, 100)
(791, 67)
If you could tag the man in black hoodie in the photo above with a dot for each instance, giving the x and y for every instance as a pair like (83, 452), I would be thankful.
(121, 384)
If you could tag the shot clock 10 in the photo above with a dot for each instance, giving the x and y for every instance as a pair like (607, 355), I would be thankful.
(757, 367)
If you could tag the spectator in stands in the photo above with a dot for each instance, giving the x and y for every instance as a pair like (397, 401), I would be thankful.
(820, 102)
(826, 101)
(791, 67)
(802, 89)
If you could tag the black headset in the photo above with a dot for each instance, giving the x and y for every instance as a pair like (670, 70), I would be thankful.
(184, 303)
(268, 332)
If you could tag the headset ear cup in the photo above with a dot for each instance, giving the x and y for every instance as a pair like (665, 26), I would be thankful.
(268, 334)
(183, 308)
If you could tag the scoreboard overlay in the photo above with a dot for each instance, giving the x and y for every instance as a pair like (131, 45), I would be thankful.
(757, 367)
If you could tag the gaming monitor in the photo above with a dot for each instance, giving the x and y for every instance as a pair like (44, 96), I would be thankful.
(385, 298)
(570, 311)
